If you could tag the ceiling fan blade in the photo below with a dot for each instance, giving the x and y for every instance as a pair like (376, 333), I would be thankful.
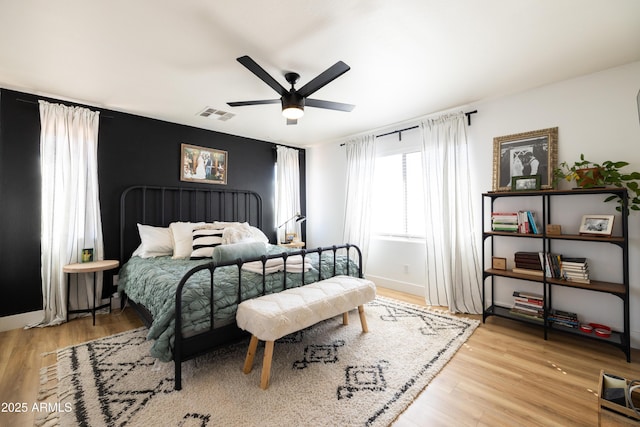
(331, 73)
(262, 74)
(318, 103)
(292, 121)
(261, 102)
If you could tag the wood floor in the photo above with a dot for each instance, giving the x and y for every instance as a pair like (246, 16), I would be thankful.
(505, 375)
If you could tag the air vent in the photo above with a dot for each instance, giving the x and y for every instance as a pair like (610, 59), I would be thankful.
(218, 114)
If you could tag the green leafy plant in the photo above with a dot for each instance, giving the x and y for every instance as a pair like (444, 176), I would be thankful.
(588, 174)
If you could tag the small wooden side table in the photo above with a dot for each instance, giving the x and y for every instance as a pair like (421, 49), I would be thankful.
(292, 245)
(89, 267)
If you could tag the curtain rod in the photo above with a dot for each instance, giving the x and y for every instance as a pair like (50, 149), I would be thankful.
(399, 131)
(67, 103)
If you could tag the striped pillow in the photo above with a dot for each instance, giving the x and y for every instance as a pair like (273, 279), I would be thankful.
(204, 240)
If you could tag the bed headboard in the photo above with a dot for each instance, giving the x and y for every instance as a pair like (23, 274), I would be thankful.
(160, 206)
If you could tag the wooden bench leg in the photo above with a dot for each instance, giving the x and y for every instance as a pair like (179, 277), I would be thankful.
(266, 365)
(363, 319)
(248, 361)
(345, 318)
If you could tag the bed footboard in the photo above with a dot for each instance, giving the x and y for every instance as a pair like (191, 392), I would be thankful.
(186, 348)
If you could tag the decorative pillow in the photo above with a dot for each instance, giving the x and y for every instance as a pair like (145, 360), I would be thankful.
(156, 241)
(258, 235)
(225, 224)
(182, 235)
(244, 251)
(204, 240)
(238, 233)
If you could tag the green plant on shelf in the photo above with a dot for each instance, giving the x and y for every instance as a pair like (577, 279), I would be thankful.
(588, 174)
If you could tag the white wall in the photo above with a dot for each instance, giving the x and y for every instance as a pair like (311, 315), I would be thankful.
(596, 114)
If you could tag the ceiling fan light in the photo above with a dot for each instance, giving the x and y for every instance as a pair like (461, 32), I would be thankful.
(293, 112)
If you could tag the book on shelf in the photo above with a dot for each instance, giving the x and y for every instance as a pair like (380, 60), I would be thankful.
(575, 269)
(535, 302)
(579, 280)
(529, 271)
(504, 221)
(528, 310)
(530, 295)
(563, 318)
(536, 318)
(577, 274)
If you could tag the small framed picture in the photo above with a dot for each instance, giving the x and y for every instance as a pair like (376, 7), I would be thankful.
(498, 263)
(290, 237)
(525, 183)
(598, 225)
(87, 255)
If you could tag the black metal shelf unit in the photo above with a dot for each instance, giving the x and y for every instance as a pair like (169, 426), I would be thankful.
(620, 339)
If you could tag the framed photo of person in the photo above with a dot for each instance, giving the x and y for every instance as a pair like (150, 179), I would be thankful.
(525, 154)
(202, 164)
(525, 183)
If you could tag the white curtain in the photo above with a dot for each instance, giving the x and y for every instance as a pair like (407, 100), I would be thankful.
(453, 270)
(70, 207)
(287, 191)
(361, 157)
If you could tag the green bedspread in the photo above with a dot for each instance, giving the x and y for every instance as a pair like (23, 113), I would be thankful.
(152, 282)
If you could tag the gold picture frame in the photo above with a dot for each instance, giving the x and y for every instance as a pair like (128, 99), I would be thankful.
(527, 153)
(203, 164)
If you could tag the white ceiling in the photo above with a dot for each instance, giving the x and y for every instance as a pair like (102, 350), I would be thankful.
(170, 59)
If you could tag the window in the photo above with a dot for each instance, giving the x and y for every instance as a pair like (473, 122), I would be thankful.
(398, 198)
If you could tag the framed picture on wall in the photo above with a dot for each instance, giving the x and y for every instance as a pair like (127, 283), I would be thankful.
(203, 164)
(525, 154)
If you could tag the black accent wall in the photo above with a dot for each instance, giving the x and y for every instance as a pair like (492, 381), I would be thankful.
(132, 150)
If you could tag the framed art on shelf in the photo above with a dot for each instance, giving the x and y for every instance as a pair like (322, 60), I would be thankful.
(525, 183)
(598, 225)
(525, 154)
(203, 164)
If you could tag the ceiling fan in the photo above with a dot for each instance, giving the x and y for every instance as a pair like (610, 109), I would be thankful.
(294, 100)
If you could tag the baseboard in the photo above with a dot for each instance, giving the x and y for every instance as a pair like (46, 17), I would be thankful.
(396, 285)
(19, 321)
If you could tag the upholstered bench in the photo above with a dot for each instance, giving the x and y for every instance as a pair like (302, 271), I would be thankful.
(273, 316)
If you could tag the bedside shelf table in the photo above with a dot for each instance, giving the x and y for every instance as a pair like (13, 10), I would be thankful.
(89, 267)
(292, 245)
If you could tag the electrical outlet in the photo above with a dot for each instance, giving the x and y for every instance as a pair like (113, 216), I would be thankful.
(406, 268)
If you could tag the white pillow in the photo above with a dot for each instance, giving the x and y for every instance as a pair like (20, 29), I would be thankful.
(204, 240)
(182, 235)
(156, 241)
(239, 233)
(258, 235)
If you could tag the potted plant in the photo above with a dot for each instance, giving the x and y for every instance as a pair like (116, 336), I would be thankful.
(588, 174)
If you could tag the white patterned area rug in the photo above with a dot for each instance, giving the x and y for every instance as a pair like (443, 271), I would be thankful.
(328, 374)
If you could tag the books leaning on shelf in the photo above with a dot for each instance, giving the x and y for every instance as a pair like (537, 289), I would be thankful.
(575, 270)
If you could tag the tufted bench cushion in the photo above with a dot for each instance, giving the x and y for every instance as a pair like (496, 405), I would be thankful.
(273, 316)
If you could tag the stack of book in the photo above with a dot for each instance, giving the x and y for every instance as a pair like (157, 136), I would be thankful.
(504, 221)
(528, 305)
(527, 263)
(517, 222)
(575, 270)
(564, 318)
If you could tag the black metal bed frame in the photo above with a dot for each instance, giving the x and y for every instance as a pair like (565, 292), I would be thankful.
(163, 205)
